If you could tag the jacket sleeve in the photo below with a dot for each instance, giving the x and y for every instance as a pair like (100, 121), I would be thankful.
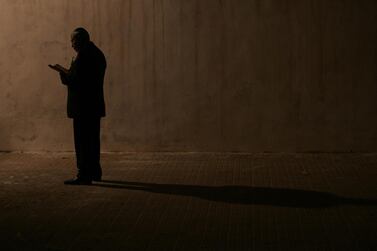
(64, 78)
(74, 75)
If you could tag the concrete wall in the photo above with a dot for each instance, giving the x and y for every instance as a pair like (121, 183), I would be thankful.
(197, 75)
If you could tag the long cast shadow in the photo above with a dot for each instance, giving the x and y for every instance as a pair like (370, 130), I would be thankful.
(282, 197)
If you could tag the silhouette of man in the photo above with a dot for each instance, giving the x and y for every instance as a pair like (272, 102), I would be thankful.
(85, 105)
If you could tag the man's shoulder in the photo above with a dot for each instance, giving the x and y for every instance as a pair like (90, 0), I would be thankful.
(94, 48)
(97, 52)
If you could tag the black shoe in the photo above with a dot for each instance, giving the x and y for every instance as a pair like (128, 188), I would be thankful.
(78, 181)
(96, 178)
(97, 175)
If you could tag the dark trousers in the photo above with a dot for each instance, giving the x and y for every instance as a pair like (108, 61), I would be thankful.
(87, 146)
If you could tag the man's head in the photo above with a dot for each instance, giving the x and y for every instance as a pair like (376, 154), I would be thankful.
(79, 38)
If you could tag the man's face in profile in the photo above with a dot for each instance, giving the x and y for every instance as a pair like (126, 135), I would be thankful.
(79, 39)
(76, 45)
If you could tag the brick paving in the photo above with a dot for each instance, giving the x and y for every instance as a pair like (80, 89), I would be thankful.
(167, 201)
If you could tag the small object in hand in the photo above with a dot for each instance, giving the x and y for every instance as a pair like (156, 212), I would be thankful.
(58, 68)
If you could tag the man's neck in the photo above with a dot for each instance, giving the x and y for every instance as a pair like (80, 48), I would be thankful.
(84, 47)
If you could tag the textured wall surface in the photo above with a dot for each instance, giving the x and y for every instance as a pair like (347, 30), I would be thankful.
(197, 75)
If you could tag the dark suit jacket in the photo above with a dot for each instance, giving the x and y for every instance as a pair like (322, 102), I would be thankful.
(85, 84)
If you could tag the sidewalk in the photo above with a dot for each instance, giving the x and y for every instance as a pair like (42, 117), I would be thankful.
(190, 202)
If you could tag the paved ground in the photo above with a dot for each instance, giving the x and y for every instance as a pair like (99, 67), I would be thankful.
(191, 202)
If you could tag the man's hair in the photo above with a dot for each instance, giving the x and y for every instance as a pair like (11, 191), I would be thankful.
(81, 34)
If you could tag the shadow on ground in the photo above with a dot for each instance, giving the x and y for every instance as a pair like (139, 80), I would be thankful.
(282, 197)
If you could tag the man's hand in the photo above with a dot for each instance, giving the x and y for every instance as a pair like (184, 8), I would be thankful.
(59, 68)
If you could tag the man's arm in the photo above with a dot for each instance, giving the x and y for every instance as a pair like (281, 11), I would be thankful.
(69, 76)
(79, 73)
(63, 72)
(64, 78)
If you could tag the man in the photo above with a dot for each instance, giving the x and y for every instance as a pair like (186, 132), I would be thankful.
(85, 105)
